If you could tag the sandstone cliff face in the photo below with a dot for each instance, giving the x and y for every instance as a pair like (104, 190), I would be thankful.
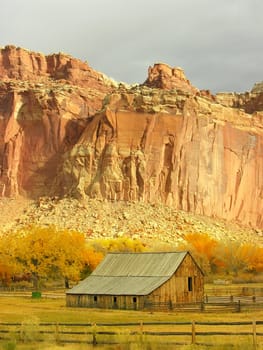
(45, 103)
(164, 141)
(192, 154)
(36, 127)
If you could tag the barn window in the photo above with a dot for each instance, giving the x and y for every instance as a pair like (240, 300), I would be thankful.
(190, 284)
(115, 299)
(95, 298)
(134, 299)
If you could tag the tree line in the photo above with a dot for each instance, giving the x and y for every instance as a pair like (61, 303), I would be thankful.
(225, 257)
(40, 253)
(37, 254)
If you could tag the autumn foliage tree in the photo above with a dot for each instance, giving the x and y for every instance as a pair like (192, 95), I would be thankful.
(203, 248)
(50, 253)
(9, 266)
(121, 244)
(224, 257)
(237, 257)
(45, 252)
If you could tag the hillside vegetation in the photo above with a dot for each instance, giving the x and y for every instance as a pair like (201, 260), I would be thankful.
(66, 239)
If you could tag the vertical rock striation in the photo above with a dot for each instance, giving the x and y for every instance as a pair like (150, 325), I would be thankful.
(203, 158)
(67, 130)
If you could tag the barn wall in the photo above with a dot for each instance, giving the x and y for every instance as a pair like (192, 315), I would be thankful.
(105, 301)
(176, 289)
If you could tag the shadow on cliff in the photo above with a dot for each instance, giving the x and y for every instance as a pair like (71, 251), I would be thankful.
(42, 181)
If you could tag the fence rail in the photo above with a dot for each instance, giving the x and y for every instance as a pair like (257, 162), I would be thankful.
(209, 304)
(217, 305)
(111, 333)
(233, 298)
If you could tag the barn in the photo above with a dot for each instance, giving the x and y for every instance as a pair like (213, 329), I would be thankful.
(140, 281)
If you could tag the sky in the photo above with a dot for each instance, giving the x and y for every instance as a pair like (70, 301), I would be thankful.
(218, 43)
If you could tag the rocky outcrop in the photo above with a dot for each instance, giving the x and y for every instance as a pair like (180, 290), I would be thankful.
(163, 76)
(161, 142)
(249, 101)
(257, 88)
(20, 64)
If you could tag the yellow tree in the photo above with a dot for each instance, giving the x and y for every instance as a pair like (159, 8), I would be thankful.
(203, 247)
(122, 244)
(92, 259)
(9, 266)
(256, 260)
(70, 254)
(238, 257)
(48, 252)
(35, 252)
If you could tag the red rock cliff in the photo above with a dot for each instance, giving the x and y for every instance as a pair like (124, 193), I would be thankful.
(165, 77)
(161, 141)
(45, 103)
(20, 64)
(184, 151)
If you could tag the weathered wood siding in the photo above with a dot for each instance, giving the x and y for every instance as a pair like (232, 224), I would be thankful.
(176, 289)
(106, 301)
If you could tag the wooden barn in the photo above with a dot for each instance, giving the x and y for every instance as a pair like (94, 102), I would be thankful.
(140, 280)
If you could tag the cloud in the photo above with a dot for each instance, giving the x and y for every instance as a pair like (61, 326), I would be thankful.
(217, 43)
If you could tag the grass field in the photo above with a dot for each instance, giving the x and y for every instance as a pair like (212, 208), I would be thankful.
(18, 309)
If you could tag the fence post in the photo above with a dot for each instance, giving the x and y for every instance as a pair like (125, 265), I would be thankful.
(94, 335)
(238, 306)
(141, 332)
(57, 333)
(202, 306)
(254, 327)
(22, 338)
(141, 327)
(193, 333)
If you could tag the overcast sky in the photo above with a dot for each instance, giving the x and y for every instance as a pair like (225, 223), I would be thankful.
(218, 43)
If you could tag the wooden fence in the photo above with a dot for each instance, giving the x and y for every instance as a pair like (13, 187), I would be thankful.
(215, 305)
(135, 332)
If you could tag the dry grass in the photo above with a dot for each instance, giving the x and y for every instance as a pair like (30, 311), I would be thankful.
(18, 309)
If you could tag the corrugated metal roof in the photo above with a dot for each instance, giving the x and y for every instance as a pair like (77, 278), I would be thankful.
(140, 264)
(98, 285)
(130, 273)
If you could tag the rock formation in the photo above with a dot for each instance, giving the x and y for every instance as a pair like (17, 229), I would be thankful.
(20, 64)
(66, 130)
(165, 77)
